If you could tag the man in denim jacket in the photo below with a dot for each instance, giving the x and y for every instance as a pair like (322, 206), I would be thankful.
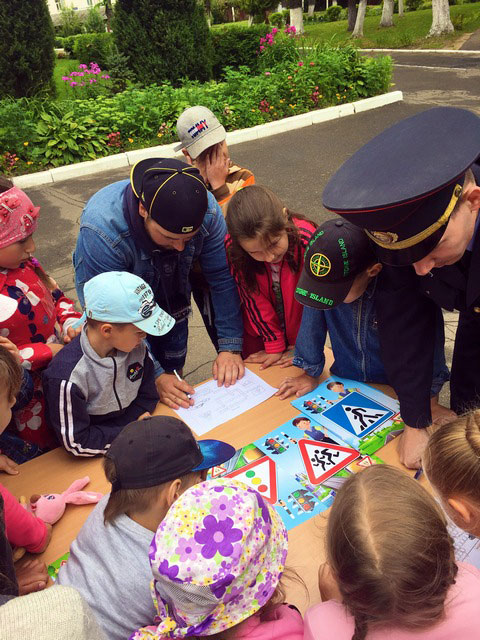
(338, 289)
(156, 225)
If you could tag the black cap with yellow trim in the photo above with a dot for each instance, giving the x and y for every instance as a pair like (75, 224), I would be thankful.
(403, 185)
(172, 192)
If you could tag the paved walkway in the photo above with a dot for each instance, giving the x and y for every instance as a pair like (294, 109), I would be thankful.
(295, 164)
(473, 43)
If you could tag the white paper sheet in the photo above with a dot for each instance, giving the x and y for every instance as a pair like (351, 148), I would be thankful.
(215, 405)
(467, 547)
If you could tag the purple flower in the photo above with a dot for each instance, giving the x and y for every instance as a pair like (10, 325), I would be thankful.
(218, 489)
(262, 47)
(170, 572)
(198, 628)
(217, 536)
(82, 66)
(73, 84)
(218, 588)
(65, 78)
(267, 73)
(265, 590)
(187, 549)
(106, 77)
(222, 507)
(235, 595)
(265, 512)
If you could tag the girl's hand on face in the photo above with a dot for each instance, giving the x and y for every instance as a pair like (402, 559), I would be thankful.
(9, 346)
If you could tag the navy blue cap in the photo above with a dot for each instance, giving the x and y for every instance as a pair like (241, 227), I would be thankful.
(403, 185)
(172, 192)
(337, 253)
(158, 449)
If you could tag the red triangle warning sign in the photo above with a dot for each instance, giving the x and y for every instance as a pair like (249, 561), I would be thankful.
(261, 475)
(322, 460)
(216, 472)
(366, 461)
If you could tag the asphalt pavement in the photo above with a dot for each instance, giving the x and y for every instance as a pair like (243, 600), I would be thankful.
(296, 165)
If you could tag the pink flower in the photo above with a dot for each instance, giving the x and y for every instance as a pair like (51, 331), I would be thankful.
(312, 64)
(106, 77)
(262, 47)
(300, 64)
(73, 84)
(262, 40)
(65, 78)
(274, 30)
(82, 66)
(267, 73)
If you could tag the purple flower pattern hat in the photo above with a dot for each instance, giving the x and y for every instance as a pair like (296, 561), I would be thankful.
(216, 559)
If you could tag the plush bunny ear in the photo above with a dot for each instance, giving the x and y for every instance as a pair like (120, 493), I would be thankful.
(83, 497)
(76, 486)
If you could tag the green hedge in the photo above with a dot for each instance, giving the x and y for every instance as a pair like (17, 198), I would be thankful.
(236, 46)
(93, 47)
(74, 130)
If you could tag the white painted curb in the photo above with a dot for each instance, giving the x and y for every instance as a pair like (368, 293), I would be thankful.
(129, 158)
(457, 51)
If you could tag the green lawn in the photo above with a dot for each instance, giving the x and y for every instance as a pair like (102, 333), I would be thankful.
(63, 66)
(409, 31)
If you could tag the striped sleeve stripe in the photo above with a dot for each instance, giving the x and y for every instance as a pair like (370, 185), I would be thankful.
(67, 423)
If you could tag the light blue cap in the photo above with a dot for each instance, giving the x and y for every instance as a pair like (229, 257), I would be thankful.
(122, 297)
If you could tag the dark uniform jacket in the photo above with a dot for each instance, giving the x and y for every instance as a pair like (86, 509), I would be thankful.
(406, 320)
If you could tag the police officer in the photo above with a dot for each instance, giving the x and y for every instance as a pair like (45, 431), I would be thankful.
(414, 189)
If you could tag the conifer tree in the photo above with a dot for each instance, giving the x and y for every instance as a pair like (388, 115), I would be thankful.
(26, 47)
(164, 39)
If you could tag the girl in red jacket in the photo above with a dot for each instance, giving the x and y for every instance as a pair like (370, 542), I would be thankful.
(34, 313)
(265, 246)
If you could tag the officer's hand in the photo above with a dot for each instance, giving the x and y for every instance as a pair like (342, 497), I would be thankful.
(299, 385)
(173, 392)
(440, 414)
(410, 447)
(228, 368)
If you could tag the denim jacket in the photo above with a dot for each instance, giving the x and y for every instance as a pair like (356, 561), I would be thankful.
(352, 329)
(105, 243)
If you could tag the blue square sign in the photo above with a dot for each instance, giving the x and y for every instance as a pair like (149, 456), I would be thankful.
(358, 414)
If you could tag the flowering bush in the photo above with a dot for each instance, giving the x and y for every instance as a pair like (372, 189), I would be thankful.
(277, 48)
(56, 133)
(89, 80)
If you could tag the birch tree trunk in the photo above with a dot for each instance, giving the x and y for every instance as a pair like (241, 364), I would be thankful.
(311, 7)
(352, 14)
(296, 15)
(358, 30)
(387, 14)
(441, 22)
(400, 8)
(250, 20)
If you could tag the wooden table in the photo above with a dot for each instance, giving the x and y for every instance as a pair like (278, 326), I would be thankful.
(56, 470)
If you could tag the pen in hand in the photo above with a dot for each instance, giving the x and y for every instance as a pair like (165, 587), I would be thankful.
(180, 380)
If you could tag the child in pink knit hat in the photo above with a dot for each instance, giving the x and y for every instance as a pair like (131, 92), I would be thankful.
(34, 314)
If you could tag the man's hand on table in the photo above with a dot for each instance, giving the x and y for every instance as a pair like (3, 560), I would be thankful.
(31, 575)
(298, 386)
(228, 368)
(411, 445)
(173, 392)
(440, 414)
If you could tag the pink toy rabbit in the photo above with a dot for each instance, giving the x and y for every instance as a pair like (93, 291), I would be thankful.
(51, 507)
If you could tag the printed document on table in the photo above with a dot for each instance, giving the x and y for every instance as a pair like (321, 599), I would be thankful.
(215, 405)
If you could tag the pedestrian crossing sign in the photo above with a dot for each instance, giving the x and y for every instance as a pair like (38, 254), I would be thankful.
(322, 460)
(358, 414)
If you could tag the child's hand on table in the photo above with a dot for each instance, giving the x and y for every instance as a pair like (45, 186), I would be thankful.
(283, 359)
(298, 386)
(7, 465)
(31, 575)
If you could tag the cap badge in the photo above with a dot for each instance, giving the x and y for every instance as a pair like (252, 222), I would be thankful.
(320, 265)
(387, 237)
(146, 308)
(187, 229)
(197, 128)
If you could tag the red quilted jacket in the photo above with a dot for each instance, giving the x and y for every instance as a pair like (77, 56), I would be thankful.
(262, 328)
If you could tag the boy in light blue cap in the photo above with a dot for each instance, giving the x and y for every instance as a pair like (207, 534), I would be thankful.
(104, 378)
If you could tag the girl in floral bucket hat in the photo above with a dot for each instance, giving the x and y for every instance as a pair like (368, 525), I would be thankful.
(35, 318)
(217, 559)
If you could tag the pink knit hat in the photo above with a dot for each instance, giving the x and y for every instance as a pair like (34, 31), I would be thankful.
(18, 216)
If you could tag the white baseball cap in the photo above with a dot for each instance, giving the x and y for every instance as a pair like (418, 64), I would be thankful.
(198, 128)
